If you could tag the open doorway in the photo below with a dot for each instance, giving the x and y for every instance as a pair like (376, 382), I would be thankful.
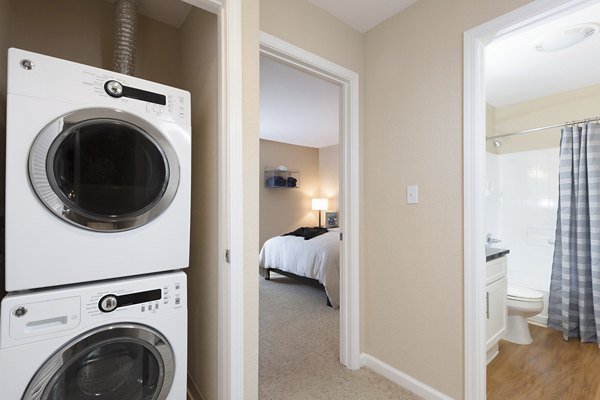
(299, 235)
(541, 84)
(521, 89)
(349, 193)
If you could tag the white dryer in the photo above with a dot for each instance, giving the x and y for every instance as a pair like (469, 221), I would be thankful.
(97, 174)
(115, 340)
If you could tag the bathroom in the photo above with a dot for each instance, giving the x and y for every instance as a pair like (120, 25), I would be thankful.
(538, 82)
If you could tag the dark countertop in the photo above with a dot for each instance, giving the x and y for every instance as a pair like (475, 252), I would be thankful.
(491, 253)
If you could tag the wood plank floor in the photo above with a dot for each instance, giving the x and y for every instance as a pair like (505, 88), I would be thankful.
(549, 368)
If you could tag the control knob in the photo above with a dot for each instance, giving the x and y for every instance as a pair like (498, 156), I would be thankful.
(108, 303)
(114, 88)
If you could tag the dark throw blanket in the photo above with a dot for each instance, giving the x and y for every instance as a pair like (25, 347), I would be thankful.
(307, 233)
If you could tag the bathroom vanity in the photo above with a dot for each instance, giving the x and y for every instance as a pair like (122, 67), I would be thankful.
(495, 299)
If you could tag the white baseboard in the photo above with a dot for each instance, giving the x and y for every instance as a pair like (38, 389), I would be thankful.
(402, 379)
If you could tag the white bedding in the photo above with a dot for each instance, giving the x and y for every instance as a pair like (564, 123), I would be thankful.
(317, 258)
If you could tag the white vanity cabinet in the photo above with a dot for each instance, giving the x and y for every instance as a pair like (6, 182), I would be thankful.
(495, 305)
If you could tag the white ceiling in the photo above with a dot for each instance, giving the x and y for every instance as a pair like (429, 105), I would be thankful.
(360, 14)
(297, 107)
(516, 72)
(171, 12)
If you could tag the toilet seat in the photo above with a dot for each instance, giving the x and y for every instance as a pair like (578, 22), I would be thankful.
(519, 293)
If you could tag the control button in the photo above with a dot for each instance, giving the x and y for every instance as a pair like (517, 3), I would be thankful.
(156, 306)
(20, 311)
(27, 64)
(143, 308)
(114, 88)
(177, 300)
(108, 303)
(177, 286)
(149, 307)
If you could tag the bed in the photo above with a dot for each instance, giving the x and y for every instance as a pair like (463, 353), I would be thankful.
(317, 258)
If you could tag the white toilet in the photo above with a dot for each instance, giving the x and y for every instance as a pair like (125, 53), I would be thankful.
(522, 303)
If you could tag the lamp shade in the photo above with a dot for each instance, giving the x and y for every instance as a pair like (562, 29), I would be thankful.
(320, 204)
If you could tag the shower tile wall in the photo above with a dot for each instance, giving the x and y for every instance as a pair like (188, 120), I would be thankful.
(521, 202)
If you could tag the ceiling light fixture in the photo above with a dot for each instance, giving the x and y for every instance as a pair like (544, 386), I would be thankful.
(567, 37)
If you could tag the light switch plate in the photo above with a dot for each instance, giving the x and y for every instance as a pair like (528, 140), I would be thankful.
(412, 194)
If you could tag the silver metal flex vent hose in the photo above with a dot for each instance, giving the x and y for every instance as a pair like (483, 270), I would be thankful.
(125, 27)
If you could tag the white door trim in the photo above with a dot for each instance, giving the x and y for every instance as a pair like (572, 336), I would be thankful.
(349, 179)
(475, 41)
(231, 285)
(231, 351)
(230, 233)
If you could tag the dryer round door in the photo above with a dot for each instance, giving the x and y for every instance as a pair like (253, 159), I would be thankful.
(103, 169)
(113, 362)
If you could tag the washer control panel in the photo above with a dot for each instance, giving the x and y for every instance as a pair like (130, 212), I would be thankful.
(161, 297)
(36, 316)
(110, 302)
(144, 302)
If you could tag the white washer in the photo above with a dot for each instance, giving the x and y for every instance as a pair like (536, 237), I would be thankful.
(122, 339)
(97, 174)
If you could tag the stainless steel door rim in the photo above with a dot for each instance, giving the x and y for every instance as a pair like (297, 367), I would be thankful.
(44, 181)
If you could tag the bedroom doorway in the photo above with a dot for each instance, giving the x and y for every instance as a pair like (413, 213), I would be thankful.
(339, 187)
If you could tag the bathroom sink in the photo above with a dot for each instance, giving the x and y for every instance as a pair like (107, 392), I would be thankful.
(491, 253)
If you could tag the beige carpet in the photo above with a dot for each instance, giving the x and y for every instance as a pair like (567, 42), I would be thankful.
(299, 349)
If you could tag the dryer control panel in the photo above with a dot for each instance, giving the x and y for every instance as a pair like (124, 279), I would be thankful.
(46, 77)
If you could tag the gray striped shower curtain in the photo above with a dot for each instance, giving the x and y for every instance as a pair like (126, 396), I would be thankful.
(574, 304)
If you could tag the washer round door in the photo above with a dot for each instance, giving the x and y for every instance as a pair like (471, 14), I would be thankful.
(103, 169)
(113, 362)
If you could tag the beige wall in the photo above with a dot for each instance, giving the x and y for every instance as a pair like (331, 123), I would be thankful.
(82, 31)
(199, 76)
(329, 175)
(283, 210)
(309, 27)
(159, 56)
(74, 30)
(548, 110)
(413, 292)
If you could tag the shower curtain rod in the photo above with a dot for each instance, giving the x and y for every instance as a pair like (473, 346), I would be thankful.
(581, 121)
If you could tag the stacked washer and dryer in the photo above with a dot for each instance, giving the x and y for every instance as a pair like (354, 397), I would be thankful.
(97, 232)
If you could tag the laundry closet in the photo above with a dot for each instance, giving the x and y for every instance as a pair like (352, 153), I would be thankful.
(178, 50)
